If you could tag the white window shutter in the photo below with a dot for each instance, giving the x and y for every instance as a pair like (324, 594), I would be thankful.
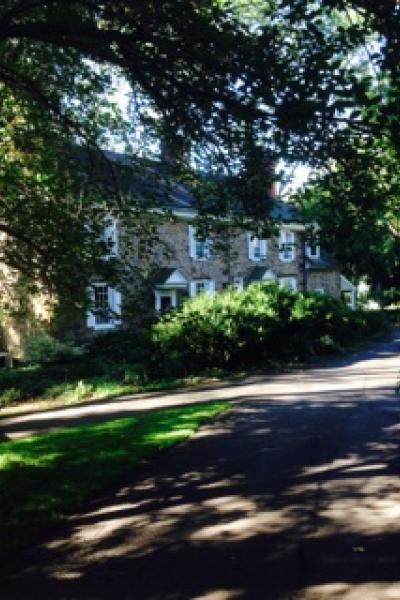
(192, 241)
(157, 300)
(192, 288)
(282, 240)
(211, 286)
(263, 248)
(90, 317)
(110, 237)
(291, 242)
(117, 301)
(250, 246)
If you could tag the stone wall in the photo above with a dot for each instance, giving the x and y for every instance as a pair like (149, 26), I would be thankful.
(221, 268)
(329, 281)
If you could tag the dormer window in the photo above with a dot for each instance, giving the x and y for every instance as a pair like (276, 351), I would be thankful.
(312, 250)
(199, 249)
(257, 248)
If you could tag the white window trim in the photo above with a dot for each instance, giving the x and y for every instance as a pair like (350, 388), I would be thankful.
(193, 241)
(209, 286)
(283, 241)
(319, 290)
(114, 301)
(165, 294)
(309, 254)
(110, 234)
(252, 242)
(289, 281)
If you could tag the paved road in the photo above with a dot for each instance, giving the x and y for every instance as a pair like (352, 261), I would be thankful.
(295, 494)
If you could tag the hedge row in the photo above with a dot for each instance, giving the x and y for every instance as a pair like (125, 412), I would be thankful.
(265, 322)
(231, 330)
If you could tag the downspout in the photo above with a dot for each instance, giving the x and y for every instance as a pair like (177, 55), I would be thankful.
(304, 265)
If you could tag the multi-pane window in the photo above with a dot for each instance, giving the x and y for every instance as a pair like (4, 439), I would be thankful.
(257, 248)
(199, 249)
(290, 282)
(312, 250)
(105, 312)
(109, 237)
(286, 246)
(101, 306)
(199, 286)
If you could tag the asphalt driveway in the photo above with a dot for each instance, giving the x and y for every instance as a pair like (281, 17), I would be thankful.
(294, 494)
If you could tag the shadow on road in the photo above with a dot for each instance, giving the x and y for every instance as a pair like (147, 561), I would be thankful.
(299, 499)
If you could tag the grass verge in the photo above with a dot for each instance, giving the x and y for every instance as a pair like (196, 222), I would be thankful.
(45, 477)
(94, 389)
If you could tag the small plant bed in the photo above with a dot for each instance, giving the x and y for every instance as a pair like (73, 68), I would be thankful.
(45, 477)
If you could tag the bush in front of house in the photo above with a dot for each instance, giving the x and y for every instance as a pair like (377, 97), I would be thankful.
(232, 330)
(229, 330)
(57, 369)
(43, 348)
(321, 324)
(263, 323)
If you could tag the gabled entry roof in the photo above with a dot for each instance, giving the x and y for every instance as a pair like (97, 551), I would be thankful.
(169, 278)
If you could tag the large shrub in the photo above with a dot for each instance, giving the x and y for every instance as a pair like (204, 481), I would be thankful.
(42, 348)
(116, 356)
(231, 329)
(265, 322)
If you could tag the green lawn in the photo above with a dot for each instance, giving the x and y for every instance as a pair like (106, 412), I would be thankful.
(47, 476)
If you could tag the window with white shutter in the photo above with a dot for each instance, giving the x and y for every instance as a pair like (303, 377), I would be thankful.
(106, 307)
(257, 248)
(312, 250)
(290, 282)
(110, 237)
(286, 246)
(202, 286)
(199, 249)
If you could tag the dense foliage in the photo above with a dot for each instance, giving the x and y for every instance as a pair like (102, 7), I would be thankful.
(293, 73)
(262, 324)
(113, 363)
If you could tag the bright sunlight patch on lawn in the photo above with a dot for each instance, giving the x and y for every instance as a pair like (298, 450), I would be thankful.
(46, 476)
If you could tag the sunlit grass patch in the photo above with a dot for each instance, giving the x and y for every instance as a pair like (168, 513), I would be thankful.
(46, 476)
(94, 388)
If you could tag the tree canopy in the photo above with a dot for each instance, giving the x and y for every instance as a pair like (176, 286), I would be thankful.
(357, 206)
(304, 77)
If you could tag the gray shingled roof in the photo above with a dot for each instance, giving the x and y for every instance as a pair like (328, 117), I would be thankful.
(154, 183)
(162, 275)
(324, 262)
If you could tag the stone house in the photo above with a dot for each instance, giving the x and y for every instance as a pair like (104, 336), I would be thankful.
(192, 265)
